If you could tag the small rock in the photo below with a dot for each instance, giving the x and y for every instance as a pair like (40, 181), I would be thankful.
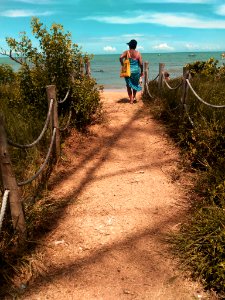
(59, 242)
(23, 286)
(128, 292)
(198, 296)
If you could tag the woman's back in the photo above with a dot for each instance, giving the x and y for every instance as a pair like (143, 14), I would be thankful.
(134, 54)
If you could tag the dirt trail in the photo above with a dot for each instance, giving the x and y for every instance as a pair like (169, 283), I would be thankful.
(127, 195)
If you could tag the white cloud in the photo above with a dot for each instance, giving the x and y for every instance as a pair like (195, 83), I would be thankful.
(177, 1)
(124, 38)
(211, 48)
(163, 46)
(189, 1)
(165, 19)
(221, 10)
(34, 1)
(109, 49)
(190, 46)
(16, 13)
(132, 36)
(186, 21)
(140, 48)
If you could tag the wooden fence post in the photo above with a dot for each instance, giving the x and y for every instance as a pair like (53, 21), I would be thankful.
(51, 94)
(160, 80)
(146, 74)
(185, 88)
(82, 68)
(9, 183)
(88, 68)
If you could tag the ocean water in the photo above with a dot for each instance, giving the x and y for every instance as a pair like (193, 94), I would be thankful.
(106, 68)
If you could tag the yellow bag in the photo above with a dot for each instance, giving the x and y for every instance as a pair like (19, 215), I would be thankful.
(125, 69)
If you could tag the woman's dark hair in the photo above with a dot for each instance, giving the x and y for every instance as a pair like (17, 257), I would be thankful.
(132, 44)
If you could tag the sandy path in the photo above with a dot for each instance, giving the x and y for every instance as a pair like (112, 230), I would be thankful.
(127, 195)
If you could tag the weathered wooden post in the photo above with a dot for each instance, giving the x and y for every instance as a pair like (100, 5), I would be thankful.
(185, 88)
(9, 183)
(160, 80)
(82, 68)
(72, 77)
(88, 68)
(146, 74)
(81, 64)
(51, 94)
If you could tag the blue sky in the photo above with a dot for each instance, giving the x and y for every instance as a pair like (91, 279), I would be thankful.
(105, 26)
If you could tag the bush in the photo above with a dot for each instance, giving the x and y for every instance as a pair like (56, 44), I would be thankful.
(7, 74)
(200, 132)
(201, 245)
(206, 68)
(24, 105)
(85, 101)
(23, 94)
(57, 61)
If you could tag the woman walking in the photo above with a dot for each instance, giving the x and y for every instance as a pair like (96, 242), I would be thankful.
(136, 66)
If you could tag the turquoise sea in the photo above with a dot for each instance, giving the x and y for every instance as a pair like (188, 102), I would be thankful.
(106, 68)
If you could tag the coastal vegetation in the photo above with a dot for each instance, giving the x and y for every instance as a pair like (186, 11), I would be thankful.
(24, 106)
(199, 130)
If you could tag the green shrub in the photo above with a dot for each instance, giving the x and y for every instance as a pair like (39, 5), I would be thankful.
(85, 101)
(201, 245)
(206, 68)
(57, 61)
(24, 106)
(200, 132)
(7, 75)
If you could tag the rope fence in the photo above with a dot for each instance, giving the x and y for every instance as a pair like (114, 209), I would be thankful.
(67, 123)
(167, 84)
(41, 134)
(189, 117)
(9, 181)
(155, 78)
(184, 85)
(3, 207)
(11, 187)
(44, 163)
(200, 99)
(65, 98)
(147, 89)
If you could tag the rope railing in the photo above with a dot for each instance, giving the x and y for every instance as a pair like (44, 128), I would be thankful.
(41, 134)
(44, 163)
(155, 78)
(187, 113)
(8, 177)
(65, 98)
(169, 86)
(67, 123)
(161, 76)
(146, 79)
(200, 99)
(185, 84)
(3, 207)
(147, 88)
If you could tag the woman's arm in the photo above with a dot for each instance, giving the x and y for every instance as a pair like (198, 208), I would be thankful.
(123, 55)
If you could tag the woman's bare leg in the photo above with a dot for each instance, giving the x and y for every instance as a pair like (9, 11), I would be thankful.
(134, 94)
(129, 91)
